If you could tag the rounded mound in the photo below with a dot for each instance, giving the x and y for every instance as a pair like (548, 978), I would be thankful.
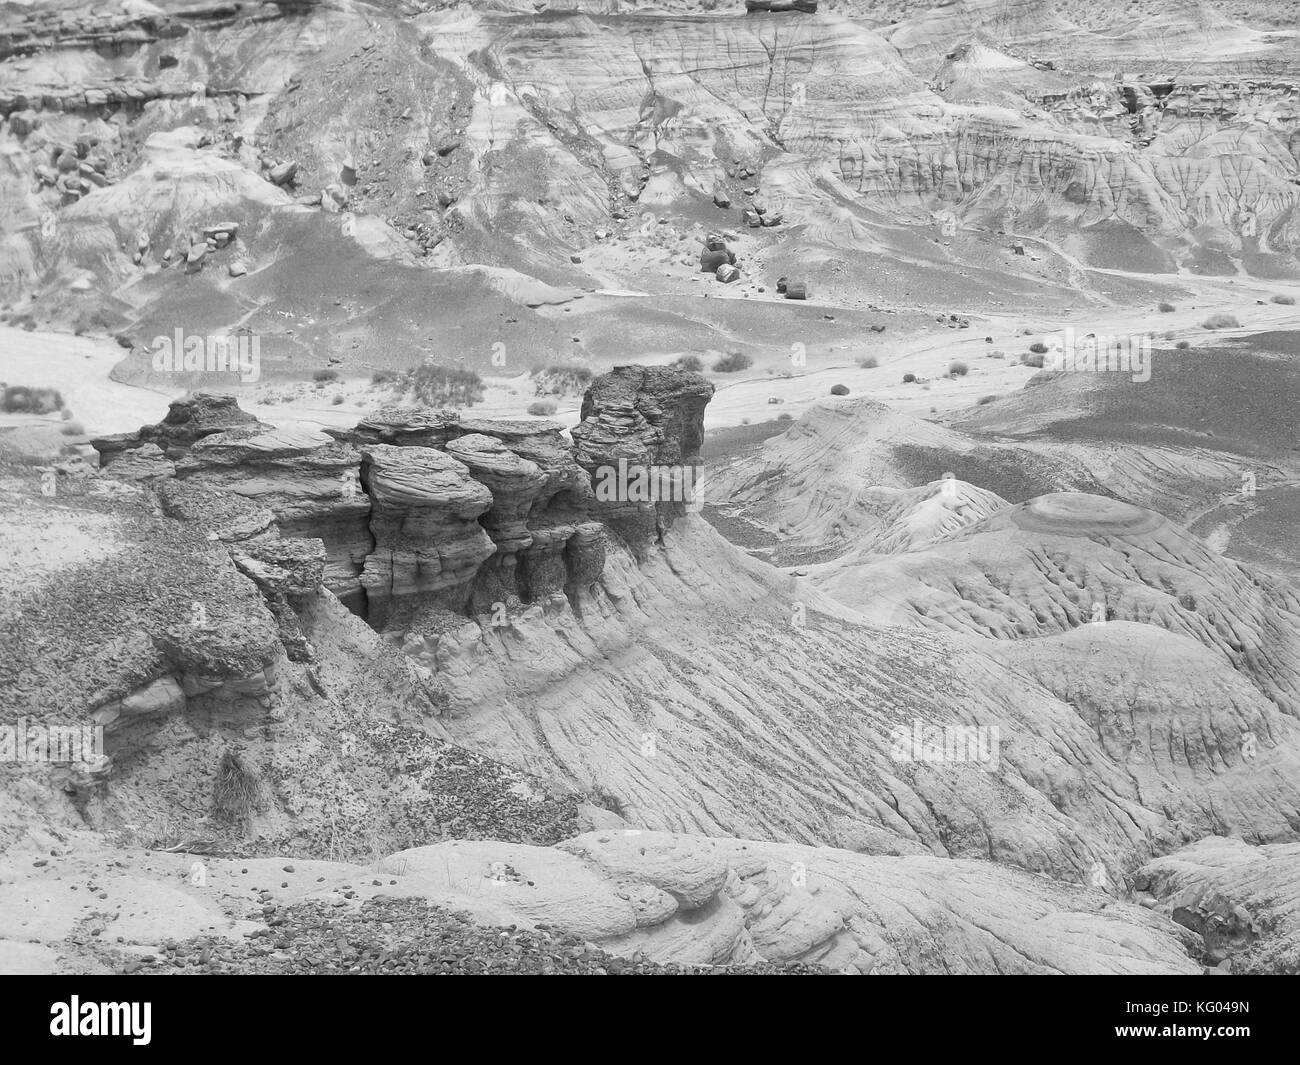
(1080, 514)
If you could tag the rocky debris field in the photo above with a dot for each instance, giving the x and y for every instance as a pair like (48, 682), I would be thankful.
(394, 937)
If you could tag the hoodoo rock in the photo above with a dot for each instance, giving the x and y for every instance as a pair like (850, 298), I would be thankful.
(424, 516)
(640, 438)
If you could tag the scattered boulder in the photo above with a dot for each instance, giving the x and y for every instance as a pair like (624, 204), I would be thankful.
(710, 261)
(221, 230)
(283, 173)
(721, 199)
(796, 290)
(22, 123)
(726, 273)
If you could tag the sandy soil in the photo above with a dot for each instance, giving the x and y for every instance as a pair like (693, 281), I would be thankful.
(79, 366)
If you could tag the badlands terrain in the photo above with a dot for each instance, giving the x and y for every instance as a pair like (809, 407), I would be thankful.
(337, 337)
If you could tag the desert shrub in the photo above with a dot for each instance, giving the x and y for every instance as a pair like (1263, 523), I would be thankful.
(958, 369)
(1183, 344)
(1286, 301)
(383, 377)
(839, 390)
(909, 378)
(325, 375)
(337, 401)
(692, 363)
(1035, 360)
(237, 790)
(602, 797)
(66, 414)
(19, 399)
(436, 385)
(1038, 347)
(985, 399)
(561, 378)
(72, 429)
(1165, 308)
(733, 362)
(89, 321)
(543, 408)
(783, 417)
(869, 363)
(1221, 321)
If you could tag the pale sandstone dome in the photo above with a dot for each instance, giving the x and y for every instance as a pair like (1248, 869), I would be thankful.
(1078, 514)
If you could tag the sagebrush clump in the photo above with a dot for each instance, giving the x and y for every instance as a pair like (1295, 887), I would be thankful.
(561, 378)
(1221, 321)
(19, 399)
(733, 362)
(436, 385)
(237, 790)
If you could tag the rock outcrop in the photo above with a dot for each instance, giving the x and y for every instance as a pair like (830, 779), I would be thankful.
(640, 437)
(422, 511)
(428, 543)
(187, 422)
(1240, 899)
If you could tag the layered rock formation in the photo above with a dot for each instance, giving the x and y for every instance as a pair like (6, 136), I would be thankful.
(187, 422)
(424, 514)
(640, 438)
(424, 510)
